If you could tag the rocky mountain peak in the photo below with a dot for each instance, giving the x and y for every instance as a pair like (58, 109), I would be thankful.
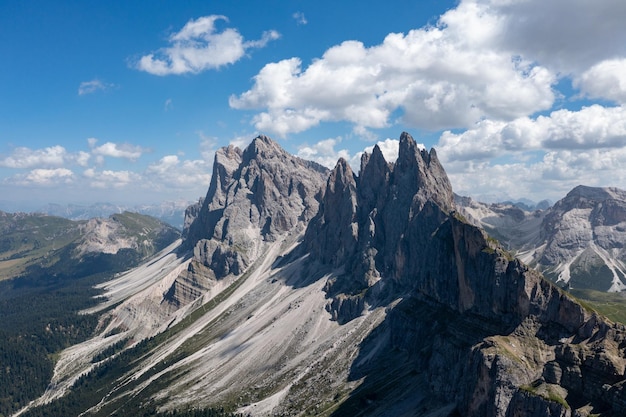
(255, 196)
(262, 147)
(225, 163)
(365, 223)
(332, 234)
(341, 176)
(419, 173)
(391, 234)
(607, 205)
(578, 242)
(582, 239)
(597, 194)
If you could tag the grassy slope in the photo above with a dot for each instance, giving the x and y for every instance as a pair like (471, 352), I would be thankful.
(32, 239)
(36, 239)
(611, 305)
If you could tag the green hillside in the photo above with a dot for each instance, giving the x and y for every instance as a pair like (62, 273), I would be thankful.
(32, 239)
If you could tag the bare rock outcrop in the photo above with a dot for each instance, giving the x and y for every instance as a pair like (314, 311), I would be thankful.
(332, 235)
(369, 224)
(255, 195)
(510, 342)
(137, 233)
(578, 242)
(583, 238)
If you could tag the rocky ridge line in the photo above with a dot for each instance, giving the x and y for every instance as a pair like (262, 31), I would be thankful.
(394, 234)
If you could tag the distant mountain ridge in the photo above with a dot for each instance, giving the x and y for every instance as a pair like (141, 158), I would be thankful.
(578, 242)
(171, 212)
(43, 240)
(585, 235)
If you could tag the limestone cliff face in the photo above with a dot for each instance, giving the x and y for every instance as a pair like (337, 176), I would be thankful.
(482, 328)
(333, 233)
(371, 225)
(255, 195)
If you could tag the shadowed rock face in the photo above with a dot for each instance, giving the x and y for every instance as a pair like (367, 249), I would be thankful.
(480, 328)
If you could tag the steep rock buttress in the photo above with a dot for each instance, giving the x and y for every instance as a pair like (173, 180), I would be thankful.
(479, 328)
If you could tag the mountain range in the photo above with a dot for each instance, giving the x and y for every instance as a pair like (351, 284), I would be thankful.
(296, 290)
(171, 212)
(577, 243)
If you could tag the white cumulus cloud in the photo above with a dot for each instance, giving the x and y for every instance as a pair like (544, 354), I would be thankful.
(200, 46)
(115, 150)
(538, 158)
(552, 176)
(23, 157)
(323, 152)
(42, 177)
(568, 36)
(606, 79)
(111, 179)
(591, 127)
(170, 171)
(447, 76)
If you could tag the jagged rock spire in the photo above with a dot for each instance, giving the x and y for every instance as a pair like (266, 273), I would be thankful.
(254, 195)
(419, 174)
(336, 227)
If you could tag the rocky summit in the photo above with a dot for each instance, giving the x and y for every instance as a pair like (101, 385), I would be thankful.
(583, 239)
(303, 291)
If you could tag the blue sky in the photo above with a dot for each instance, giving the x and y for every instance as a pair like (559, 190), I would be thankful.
(126, 102)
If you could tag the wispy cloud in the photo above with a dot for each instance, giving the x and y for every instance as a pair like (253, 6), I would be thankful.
(111, 179)
(90, 87)
(300, 18)
(200, 46)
